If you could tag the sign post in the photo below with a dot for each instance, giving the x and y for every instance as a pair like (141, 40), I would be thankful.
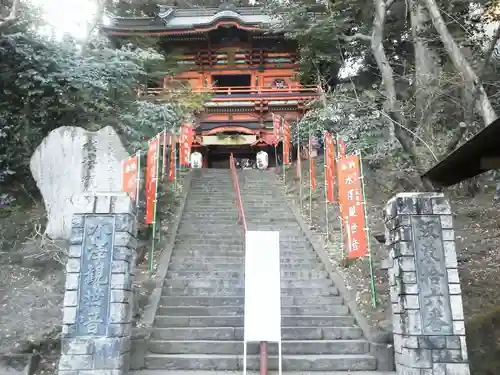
(262, 321)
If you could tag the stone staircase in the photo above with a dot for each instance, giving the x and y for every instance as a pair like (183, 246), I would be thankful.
(319, 334)
(199, 320)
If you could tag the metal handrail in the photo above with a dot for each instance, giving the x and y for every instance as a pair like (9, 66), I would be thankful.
(239, 203)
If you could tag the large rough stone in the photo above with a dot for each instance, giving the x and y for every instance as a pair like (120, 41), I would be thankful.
(71, 161)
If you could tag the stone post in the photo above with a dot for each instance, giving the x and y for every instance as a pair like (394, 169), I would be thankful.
(97, 318)
(428, 318)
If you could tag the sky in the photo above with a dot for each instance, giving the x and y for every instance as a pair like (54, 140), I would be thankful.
(68, 16)
(74, 16)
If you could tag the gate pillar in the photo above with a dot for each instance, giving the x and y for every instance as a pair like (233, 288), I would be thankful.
(97, 319)
(427, 310)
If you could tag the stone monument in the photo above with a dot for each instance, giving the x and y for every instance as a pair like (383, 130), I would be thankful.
(428, 318)
(71, 161)
(97, 319)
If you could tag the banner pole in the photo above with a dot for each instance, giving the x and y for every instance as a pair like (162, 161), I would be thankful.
(310, 174)
(367, 233)
(164, 157)
(343, 237)
(153, 240)
(299, 164)
(175, 162)
(283, 147)
(138, 179)
(325, 161)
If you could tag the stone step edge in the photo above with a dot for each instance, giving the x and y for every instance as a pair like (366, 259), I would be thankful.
(242, 306)
(288, 356)
(238, 327)
(221, 372)
(316, 317)
(302, 341)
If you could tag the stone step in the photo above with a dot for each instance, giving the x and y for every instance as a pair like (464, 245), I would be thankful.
(200, 274)
(201, 230)
(206, 265)
(205, 251)
(236, 333)
(197, 215)
(337, 324)
(236, 347)
(219, 292)
(196, 301)
(310, 259)
(337, 310)
(182, 244)
(215, 238)
(352, 362)
(249, 372)
(203, 221)
(220, 209)
(229, 284)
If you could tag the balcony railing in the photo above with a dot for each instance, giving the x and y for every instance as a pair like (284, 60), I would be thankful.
(238, 93)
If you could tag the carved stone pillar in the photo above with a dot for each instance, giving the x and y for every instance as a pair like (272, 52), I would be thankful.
(428, 318)
(97, 318)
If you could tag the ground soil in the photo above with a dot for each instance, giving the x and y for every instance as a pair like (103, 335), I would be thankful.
(477, 230)
(32, 281)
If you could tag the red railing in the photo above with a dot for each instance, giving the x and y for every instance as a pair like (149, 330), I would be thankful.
(239, 203)
(228, 91)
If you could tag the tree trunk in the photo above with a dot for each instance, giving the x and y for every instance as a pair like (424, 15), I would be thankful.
(13, 14)
(392, 105)
(483, 104)
(426, 66)
(96, 22)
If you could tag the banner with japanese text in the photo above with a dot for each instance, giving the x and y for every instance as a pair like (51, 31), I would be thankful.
(277, 124)
(186, 141)
(130, 176)
(311, 165)
(165, 139)
(151, 178)
(352, 206)
(299, 164)
(287, 140)
(173, 146)
(330, 167)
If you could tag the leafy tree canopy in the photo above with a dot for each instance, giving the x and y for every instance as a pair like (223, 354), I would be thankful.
(48, 83)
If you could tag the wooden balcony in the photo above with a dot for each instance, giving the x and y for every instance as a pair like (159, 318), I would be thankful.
(246, 94)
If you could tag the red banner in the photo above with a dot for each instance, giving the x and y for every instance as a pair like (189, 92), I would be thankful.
(164, 154)
(330, 167)
(299, 163)
(311, 165)
(186, 141)
(352, 206)
(341, 147)
(287, 139)
(129, 176)
(151, 178)
(173, 145)
(277, 127)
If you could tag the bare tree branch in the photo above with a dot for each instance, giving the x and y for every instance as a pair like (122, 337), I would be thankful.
(483, 105)
(357, 36)
(13, 14)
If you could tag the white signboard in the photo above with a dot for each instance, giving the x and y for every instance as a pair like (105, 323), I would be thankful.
(262, 290)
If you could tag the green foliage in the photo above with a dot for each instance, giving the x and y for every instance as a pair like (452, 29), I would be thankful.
(48, 83)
